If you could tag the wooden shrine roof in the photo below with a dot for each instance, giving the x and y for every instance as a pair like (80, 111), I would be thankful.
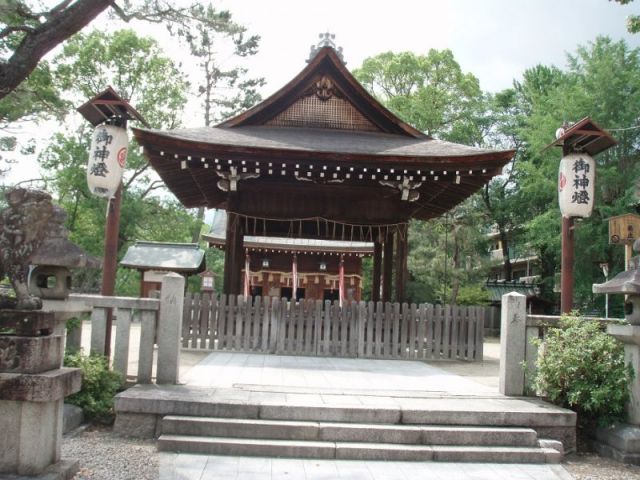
(319, 152)
(217, 237)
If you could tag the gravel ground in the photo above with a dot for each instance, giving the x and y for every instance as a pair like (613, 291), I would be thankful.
(589, 466)
(104, 456)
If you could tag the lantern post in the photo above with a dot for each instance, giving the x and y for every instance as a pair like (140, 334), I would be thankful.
(109, 113)
(576, 190)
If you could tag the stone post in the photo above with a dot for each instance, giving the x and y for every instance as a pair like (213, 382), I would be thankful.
(512, 343)
(32, 391)
(170, 328)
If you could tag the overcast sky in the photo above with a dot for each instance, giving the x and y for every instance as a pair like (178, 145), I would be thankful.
(496, 40)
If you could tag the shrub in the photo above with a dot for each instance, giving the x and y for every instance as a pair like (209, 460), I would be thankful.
(99, 385)
(583, 368)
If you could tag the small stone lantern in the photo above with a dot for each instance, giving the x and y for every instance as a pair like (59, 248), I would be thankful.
(50, 278)
(622, 441)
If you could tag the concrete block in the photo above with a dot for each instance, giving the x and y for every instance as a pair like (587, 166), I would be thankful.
(465, 435)
(147, 339)
(248, 447)
(121, 350)
(512, 344)
(40, 387)
(552, 444)
(386, 452)
(136, 425)
(72, 417)
(330, 413)
(608, 451)
(98, 330)
(239, 428)
(371, 433)
(449, 453)
(170, 328)
(623, 437)
(30, 354)
(31, 432)
(565, 435)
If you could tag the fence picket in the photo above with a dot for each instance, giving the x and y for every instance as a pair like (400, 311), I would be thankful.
(314, 327)
(186, 319)
(456, 313)
(481, 315)
(203, 322)
(214, 308)
(422, 331)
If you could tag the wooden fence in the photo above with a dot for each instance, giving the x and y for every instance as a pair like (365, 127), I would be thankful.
(313, 327)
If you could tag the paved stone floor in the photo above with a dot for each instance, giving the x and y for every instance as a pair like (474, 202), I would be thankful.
(329, 380)
(300, 379)
(203, 467)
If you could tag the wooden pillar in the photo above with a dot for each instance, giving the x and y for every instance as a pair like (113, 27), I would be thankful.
(402, 249)
(377, 270)
(387, 267)
(566, 266)
(233, 256)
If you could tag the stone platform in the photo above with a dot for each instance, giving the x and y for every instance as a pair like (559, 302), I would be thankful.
(333, 401)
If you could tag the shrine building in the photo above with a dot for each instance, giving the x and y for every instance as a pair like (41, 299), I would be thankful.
(297, 267)
(320, 159)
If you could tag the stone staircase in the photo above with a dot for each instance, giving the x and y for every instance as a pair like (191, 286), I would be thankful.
(348, 441)
(439, 428)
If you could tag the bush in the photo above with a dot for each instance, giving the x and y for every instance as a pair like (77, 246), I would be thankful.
(582, 368)
(99, 385)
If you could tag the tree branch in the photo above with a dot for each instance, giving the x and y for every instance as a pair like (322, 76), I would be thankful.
(37, 43)
(16, 28)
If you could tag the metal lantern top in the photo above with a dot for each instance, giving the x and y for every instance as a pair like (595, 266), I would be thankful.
(109, 106)
(627, 282)
(583, 136)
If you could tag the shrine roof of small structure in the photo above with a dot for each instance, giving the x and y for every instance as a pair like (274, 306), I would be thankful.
(217, 237)
(321, 148)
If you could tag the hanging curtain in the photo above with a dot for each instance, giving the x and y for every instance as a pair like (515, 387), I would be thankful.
(341, 291)
(247, 277)
(294, 270)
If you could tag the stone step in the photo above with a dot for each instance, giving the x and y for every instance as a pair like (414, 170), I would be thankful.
(348, 432)
(352, 450)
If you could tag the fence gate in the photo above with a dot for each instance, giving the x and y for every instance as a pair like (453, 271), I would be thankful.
(314, 327)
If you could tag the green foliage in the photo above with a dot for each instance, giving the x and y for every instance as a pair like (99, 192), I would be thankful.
(583, 368)
(99, 385)
(429, 92)
(473, 295)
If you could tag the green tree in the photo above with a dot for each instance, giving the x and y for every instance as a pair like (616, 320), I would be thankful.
(215, 79)
(602, 81)
(136, 68)
(433, 94)
(428, 91)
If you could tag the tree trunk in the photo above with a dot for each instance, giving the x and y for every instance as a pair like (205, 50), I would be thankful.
(37, 43)
(506, 258)
(195, 235)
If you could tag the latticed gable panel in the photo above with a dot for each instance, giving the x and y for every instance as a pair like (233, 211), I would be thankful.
(323, 106)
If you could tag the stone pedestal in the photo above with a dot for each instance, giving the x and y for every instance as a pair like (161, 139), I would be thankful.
(32, 391)
(622, 441)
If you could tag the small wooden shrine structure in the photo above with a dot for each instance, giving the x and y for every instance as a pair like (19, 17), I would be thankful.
(297, 267)
(320, 159)
(155, 259)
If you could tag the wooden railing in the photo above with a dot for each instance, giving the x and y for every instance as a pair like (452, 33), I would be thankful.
(309, 327)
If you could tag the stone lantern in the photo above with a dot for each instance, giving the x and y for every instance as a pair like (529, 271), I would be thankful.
(622, 441)
(50, 278)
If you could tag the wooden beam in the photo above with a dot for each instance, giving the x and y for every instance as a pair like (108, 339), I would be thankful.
(377, 270)
(401, 263)
(387, 273)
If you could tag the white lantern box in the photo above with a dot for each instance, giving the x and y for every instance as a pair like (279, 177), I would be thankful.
(576, 185)
(107, 159)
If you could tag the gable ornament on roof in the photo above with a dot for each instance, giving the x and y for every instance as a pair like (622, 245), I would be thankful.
(326, 40)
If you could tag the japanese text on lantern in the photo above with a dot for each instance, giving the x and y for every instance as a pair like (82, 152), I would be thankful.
(101, 154)
(580, 182)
